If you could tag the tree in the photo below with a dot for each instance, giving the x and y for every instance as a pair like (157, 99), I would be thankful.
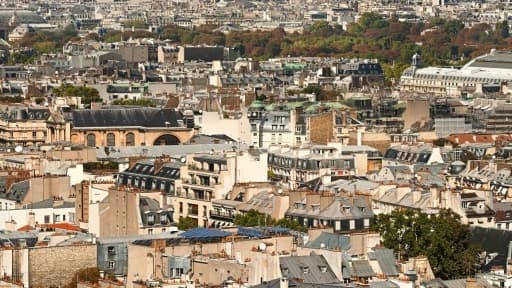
(186, 223)
(502, 29)
(253, 218)
(88, 94)
(442, 238)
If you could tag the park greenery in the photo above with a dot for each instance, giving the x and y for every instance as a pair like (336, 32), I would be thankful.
(42, 42)
(254, 218)
(88, 94)
(442, 238)
(393, 43)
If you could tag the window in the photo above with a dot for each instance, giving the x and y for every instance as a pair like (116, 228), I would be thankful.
(151, 219)
(63, 218)
(111, 250)
(91, 140)
(130, 139)
(34, 134)
(57, 218)
(150, 231)
(163, 219)
(111, 265)
(181, 207)
(111, 139)
(176, 272)
(46, 219)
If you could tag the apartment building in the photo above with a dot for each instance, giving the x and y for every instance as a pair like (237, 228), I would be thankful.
(206, 177)
(304, 165)
(130, 211)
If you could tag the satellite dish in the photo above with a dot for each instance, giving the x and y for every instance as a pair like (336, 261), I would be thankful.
(18, 149)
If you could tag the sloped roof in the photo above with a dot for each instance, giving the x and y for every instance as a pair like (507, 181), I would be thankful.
(308, 269)
(386, 260)
(136, 117)
(17, 192)
(331, 241)
(362, 268)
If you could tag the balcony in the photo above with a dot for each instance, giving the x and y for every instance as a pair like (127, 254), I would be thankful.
(227, 216)
(198, 170)
(197, 184)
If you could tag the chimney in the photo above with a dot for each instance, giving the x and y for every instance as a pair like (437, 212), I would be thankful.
(10, 225)
(31, 219)
(283, 283)
(359, 137)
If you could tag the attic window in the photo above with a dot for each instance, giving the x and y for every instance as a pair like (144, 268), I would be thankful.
(305, 269)
(285, 271)
(323, 269)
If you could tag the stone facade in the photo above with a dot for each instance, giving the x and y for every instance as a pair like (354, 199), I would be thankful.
(56, 266)
(129, 136)
(321, 128)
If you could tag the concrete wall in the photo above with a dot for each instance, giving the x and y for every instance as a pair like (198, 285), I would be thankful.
(119, 214)
(42, 188)
(238, 129)
(56, 266)
(417, 112)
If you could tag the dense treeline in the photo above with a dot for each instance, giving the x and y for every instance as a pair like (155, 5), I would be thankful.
(439, 41)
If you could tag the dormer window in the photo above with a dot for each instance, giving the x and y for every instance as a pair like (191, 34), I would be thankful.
(305, 269)
(285, 271)
(323, 268)
(163, 219)
(151, 219)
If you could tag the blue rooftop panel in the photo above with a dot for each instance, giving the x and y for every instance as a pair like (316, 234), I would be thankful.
(204, 233)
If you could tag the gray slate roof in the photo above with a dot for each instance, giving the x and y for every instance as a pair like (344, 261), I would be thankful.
(331, 241)
(362, 268)
(136, 117)
(386, 260)
(295, 266)
(17, 192)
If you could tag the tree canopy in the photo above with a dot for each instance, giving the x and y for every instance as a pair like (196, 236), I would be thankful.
(88, 94)
(253, 218)
(442, 238)
(186, 223)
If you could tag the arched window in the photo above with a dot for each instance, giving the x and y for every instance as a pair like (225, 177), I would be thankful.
(111, 139)
(91, 140)
(130, 139)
